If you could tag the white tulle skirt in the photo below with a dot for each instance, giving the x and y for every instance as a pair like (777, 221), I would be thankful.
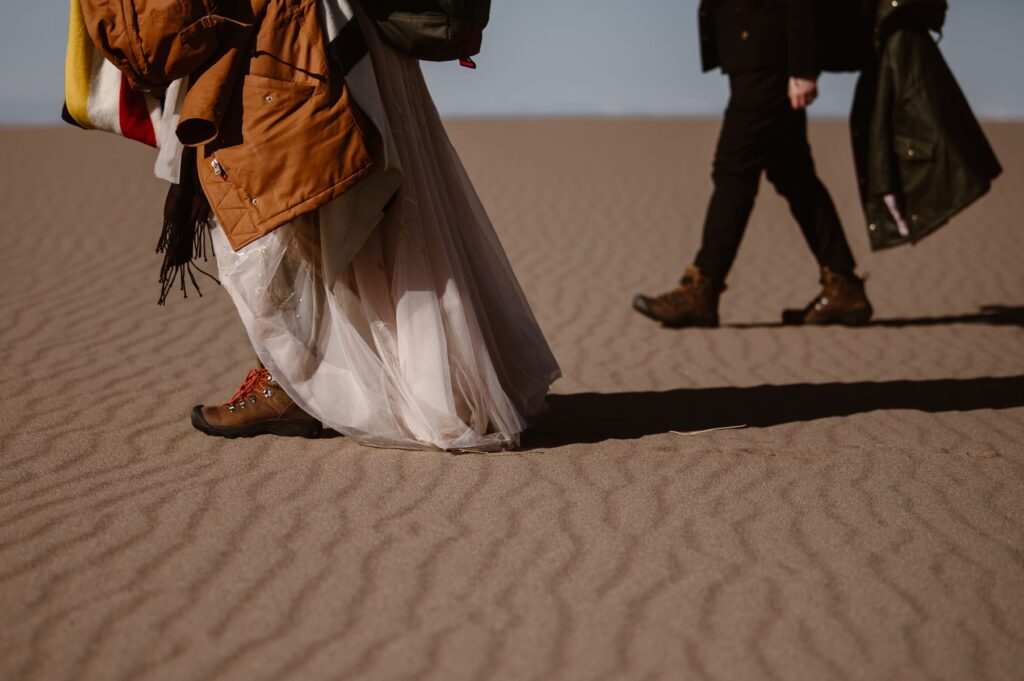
(422, 338)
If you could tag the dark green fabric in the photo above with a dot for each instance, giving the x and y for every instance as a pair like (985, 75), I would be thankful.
(434, 30)
(914, 134)
(889, 16)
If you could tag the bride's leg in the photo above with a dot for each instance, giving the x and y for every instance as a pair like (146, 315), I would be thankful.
(262, 281)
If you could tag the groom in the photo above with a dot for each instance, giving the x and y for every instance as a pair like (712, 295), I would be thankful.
(768, 50)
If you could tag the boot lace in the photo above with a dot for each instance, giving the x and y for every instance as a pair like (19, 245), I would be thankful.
(684, 293)
(255, 380)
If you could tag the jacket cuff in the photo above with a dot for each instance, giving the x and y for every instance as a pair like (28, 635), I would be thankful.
(802, 47)
(211, 90)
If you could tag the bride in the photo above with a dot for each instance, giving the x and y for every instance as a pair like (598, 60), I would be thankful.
(403, 327)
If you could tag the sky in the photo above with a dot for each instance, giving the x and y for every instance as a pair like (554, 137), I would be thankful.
(568, 57)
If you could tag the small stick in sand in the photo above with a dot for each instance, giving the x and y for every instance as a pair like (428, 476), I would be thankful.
(709, 430)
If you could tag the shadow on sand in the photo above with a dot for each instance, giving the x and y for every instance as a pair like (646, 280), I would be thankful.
(594, 417)
(991, 315)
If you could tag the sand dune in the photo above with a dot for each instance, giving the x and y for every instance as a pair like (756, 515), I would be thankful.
(867, 524)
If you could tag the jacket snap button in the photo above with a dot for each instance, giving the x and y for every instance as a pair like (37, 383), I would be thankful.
(268, 98)
(254, 201)
(872, 227)
(744, 35)
(910, 152)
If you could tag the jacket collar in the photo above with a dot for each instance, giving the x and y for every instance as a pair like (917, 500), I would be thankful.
(891, 14)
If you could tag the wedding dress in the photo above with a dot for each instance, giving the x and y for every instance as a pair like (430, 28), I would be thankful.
(395, 318)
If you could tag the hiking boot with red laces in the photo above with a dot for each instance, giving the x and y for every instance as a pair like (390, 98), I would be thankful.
(693, 303)
(842, 301)
(259, 407)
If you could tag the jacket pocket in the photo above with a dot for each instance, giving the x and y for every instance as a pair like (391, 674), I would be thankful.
(918, 174)
(910, 149)
(269, 107)
(274, 148)
(914, 157)
(289, 44)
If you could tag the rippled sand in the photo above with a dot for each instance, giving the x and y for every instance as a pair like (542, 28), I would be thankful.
(867, 524)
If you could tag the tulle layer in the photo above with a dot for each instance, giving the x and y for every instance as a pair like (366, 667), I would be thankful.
(423, 337)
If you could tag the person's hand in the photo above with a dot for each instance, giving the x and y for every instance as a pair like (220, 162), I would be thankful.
(802, 92)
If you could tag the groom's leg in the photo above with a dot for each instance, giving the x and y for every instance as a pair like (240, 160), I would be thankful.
(790, 168)
(740, 157)
(842, 299)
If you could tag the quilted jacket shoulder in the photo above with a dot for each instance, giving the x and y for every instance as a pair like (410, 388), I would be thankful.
(155, 42)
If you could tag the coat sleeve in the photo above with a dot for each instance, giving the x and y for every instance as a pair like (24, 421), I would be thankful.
(883, 178)
(154, 42)
(802, 57)
(708, 36)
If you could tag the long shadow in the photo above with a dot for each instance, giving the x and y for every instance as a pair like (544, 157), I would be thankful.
(595, 417)
(991, 315)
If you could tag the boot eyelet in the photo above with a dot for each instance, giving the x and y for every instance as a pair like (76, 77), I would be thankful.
(267, 394)
(231, 408)
(252, 399)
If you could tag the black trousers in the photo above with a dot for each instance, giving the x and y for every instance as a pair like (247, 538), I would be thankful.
(761, 132)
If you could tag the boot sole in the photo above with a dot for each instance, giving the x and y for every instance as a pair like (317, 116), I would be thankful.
(306, 429)
(640, 306)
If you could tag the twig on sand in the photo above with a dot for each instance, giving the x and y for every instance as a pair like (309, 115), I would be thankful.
(709, 430)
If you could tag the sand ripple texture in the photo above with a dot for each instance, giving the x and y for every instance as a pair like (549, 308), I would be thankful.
(868, 524)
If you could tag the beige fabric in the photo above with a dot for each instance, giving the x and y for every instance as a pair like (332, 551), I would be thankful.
(424, 339)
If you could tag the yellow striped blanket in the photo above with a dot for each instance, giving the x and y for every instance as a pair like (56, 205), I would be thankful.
(96, 93)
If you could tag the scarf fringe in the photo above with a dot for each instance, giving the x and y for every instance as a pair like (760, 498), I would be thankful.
(180, 255)
(186, 232)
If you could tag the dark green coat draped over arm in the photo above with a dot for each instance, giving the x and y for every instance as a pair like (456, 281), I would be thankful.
(915, 136)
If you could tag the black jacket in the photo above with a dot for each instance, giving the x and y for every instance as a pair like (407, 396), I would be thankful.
(801, 37)
(914, 134)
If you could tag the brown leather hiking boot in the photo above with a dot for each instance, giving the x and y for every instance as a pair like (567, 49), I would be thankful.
(842, 301)
(693, 303)
(259, 407)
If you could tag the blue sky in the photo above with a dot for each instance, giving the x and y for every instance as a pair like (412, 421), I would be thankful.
(568, 57)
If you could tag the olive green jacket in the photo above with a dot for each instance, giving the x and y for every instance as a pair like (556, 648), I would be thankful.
(914, 135)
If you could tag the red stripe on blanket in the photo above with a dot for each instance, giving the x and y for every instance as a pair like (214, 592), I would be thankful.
(134, 114)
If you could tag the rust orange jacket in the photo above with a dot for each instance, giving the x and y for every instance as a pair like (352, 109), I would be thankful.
(273, 121)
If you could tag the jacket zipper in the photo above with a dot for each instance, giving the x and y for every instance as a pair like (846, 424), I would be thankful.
(218, 169)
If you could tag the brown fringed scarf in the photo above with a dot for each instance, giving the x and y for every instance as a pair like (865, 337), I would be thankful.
(186, 231)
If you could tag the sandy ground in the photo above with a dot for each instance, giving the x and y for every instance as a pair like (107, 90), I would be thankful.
(867, 524)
